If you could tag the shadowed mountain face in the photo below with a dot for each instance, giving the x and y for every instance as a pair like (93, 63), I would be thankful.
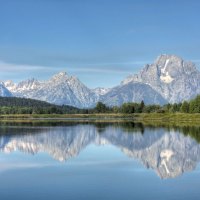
(168, 152)
(132, 92)
(4, 92)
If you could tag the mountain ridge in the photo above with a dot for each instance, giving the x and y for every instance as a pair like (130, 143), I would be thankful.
(169, 79)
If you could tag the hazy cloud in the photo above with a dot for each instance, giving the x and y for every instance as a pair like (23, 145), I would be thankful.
(99, 67)
(93, 75)
(8, 67)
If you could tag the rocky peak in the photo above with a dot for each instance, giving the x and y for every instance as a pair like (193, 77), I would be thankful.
(165, 69)
(60, 76)
(164, 58)
(172, 77)
(10, 85)
(174, 66)
(28, 84)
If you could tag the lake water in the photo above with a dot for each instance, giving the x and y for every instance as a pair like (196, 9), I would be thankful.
(98, 161)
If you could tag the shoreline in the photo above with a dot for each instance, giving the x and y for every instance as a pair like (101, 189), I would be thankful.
(136, 117)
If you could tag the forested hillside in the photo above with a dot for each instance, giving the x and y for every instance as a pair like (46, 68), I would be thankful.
(14, 105)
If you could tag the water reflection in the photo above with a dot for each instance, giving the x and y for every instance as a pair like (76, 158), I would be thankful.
(169, 151)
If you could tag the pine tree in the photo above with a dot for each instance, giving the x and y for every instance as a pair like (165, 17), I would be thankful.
(185, 107)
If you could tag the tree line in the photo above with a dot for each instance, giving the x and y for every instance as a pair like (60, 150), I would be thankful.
(192, 106)
(14, 105)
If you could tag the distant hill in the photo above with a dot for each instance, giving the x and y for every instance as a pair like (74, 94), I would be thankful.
(9, 105)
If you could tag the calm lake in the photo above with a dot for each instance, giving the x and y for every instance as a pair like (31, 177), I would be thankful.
(105, 161)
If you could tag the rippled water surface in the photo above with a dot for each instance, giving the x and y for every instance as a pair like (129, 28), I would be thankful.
(94, 161)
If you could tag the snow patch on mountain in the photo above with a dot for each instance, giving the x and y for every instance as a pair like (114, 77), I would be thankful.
(166, 78)
(99, 91)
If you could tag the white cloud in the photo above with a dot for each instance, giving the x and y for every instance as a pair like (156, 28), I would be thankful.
(8, 67)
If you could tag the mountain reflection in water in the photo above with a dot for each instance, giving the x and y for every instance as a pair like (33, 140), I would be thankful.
(168, 151)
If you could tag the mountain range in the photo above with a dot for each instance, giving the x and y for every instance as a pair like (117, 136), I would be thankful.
(169, 79)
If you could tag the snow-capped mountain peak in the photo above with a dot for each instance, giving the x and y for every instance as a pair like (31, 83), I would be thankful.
(172, 77)
(10, 85)
(164, 59)
(29, 84)
(60, 76)
(174, 66)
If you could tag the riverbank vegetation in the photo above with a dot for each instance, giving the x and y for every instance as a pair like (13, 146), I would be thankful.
(192, 106)
(22, 106)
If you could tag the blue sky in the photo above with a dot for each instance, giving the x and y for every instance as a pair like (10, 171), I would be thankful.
(99, 41)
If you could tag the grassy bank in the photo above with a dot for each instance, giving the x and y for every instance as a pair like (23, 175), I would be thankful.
(141, 117)
(168, 117)
(64, 116)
